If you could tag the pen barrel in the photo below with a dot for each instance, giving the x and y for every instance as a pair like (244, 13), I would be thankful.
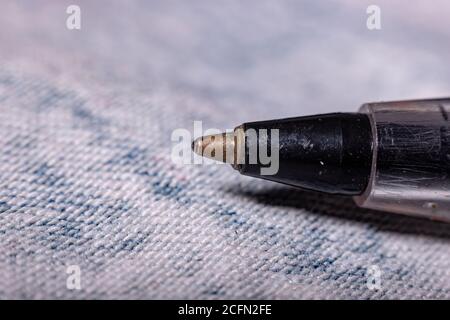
(410, 171)
(328, 153)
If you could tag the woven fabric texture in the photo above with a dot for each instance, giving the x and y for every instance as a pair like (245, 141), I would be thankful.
(86, 176)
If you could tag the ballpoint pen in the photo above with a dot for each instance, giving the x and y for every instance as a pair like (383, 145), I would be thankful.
(389, 156)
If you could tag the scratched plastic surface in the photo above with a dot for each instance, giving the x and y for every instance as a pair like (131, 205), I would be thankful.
(411, 165)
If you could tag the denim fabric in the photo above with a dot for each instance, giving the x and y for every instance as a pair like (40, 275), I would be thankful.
(86, 176)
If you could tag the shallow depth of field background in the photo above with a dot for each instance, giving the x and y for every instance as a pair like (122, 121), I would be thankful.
(86, 176)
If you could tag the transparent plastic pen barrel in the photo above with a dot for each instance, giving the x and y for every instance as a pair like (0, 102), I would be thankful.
(411, 158)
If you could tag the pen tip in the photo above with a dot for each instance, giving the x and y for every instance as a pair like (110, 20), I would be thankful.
(215, 146)
(197, 146)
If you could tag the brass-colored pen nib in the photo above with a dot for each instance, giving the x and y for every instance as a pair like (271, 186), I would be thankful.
(220, 147)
